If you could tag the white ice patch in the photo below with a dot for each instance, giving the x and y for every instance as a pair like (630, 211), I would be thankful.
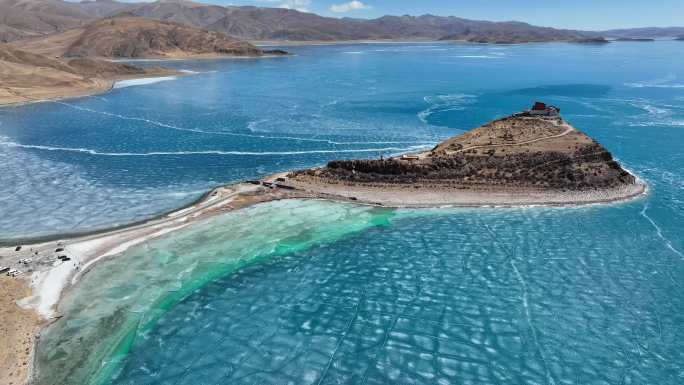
(480, 56)
(7, 143)
(142, 81)
(444, 103)
(656, 114)
(49, 197)
(252, 126)
(665, 82)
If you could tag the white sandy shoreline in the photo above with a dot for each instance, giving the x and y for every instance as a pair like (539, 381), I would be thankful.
(87, 250)
(106, 86)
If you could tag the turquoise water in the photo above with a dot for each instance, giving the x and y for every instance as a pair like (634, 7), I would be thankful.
(121, 300)
(315, 292)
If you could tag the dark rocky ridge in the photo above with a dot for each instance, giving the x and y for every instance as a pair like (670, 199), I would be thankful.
(635, 39)
(592, 40)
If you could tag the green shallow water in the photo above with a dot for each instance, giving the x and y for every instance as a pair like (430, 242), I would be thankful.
(122, 298)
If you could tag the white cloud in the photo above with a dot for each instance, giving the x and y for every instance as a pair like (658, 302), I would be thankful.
(299, 5)
(353, 5)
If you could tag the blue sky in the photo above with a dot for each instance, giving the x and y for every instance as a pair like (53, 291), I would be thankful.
(581, 14)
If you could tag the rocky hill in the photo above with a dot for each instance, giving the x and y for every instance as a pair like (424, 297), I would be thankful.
(137, 37)
(518, 155)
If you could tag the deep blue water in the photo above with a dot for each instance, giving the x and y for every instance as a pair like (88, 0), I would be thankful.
(138, 151)
(528, 295)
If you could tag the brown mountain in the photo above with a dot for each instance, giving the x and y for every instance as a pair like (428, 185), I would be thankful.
(26, 18)
(137, 37)
(26, 76)
(256, 23)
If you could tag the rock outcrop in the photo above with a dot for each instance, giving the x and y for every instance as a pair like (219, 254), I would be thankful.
(522, 152)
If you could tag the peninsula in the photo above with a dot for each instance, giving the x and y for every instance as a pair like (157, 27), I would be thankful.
(28, 77)
(530, 158)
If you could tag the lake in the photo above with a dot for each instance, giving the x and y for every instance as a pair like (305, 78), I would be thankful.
(315, 292)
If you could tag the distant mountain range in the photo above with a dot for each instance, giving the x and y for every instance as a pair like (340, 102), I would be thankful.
(27, 18)
(137, 37)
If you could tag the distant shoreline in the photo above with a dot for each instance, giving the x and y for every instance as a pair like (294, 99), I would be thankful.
(102, 86)
(106, 85)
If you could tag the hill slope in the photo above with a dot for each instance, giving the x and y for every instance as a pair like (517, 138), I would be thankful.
(137, 37)
(26, 76)
(518, 159)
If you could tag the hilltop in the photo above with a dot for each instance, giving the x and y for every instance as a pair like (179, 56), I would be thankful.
(137, 37)
(26, 76)
(533, 157)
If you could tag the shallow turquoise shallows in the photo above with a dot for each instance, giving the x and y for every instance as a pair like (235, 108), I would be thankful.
(309, 292)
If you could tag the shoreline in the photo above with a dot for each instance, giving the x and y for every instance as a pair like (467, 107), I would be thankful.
(68, 94)
(196, 57)
(106, 86)
(48, 279)
(102, 86)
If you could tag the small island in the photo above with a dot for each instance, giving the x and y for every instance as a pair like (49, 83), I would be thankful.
(533, 157)
(591, 40)
(635, 39)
